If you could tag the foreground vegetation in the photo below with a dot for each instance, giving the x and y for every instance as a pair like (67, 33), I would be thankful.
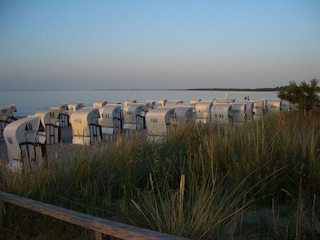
(260, 180)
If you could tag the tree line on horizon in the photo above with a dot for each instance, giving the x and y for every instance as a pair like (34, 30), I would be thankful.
(241, 89)
(265, 89)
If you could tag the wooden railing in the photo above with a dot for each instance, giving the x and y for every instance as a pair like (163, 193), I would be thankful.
(101, 227)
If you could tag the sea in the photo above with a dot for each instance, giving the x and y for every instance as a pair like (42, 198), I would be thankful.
(29, 102)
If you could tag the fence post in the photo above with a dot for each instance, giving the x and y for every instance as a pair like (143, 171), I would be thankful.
(98, 236)
(1, 222)
(101, 236)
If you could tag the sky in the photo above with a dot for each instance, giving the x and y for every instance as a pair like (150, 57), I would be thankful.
(165, 44)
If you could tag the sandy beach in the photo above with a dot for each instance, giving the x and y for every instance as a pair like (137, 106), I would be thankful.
(65, 148)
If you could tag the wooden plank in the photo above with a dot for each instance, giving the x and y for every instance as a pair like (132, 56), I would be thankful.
(100, 225)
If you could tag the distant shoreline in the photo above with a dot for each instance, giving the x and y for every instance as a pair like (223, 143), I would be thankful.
(160, 89)
(265, 89)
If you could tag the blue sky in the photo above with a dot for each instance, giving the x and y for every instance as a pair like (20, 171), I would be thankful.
(157, 44)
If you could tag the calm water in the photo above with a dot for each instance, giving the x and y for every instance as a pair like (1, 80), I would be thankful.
(29, 102)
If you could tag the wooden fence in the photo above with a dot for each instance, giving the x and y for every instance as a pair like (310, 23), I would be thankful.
(101, 227)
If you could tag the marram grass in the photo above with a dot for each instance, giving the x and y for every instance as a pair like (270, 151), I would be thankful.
(260, 180)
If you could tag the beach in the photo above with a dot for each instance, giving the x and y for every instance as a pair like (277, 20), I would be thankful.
(65, 149)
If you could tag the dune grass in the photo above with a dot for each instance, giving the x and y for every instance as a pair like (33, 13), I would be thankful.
(259, 180)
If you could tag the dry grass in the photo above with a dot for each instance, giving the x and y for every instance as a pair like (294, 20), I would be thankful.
(259, 180)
